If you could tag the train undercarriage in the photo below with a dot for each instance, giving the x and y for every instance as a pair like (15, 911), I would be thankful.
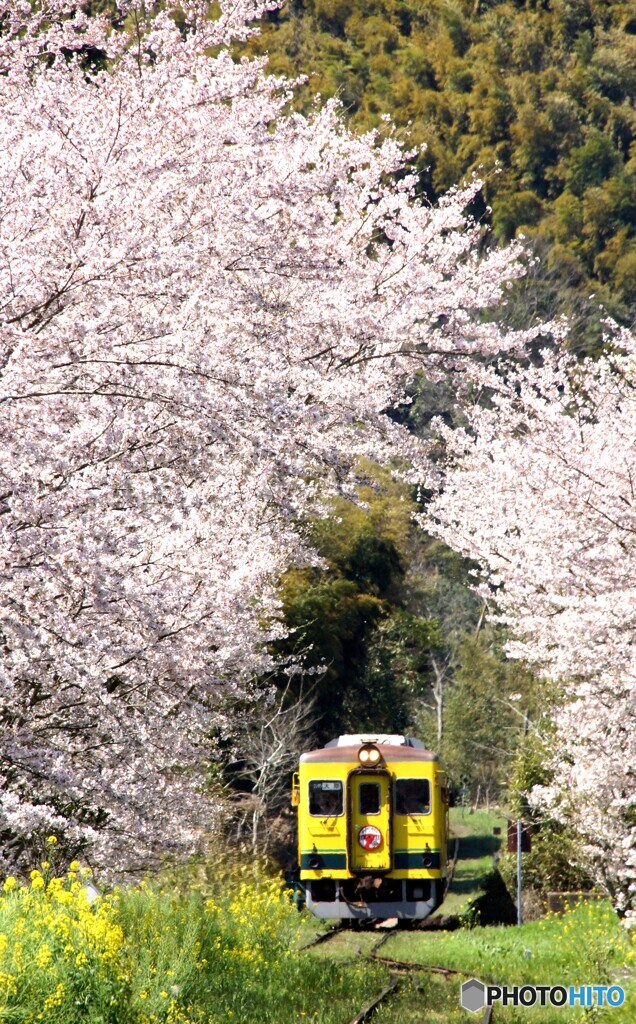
(369, 898)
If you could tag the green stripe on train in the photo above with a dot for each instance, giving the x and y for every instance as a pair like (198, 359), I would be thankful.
(410, 859)
(315, 860)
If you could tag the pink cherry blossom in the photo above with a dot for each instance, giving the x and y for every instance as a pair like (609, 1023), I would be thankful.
(542, 494)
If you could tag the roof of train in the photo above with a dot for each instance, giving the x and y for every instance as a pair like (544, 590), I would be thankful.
(349, 754)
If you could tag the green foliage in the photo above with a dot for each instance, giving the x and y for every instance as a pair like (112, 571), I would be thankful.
(407, 641)
(331, 621)
(530, 768)
(589, 165)
(405, 651)
(537, 99)
(397, 667)
(555, 862)
(345, 619)
(493, 906)
(377, 633)
(488, 710)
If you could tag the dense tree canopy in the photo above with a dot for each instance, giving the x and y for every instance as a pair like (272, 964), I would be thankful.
(537, 97)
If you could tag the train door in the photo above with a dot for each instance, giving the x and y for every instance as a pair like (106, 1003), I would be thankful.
(369, 821)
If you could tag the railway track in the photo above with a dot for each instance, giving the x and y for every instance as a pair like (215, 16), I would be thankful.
(369, 1008)
(401, 972)
(321, 937)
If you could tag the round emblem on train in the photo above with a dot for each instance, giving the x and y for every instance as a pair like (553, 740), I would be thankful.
(370, 837)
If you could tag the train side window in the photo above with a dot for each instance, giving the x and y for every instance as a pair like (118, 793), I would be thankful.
(369, 798)
(325, 797)
(412, 796)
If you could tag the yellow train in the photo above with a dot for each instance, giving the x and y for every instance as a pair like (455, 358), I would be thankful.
(372, 828)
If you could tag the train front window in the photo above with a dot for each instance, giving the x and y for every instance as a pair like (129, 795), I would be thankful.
(412, 796)
(369, 798)
(325, 798)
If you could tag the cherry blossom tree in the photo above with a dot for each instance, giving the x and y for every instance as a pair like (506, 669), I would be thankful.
(207, 306)
(542, 494)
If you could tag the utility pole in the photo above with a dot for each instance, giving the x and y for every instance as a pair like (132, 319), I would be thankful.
(519, 842)
(519, 911)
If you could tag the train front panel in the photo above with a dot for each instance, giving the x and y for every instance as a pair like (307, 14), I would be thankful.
(372, 836)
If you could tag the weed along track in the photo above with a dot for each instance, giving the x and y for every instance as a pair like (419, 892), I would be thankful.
(405, 984)
(403, 974)
(408, 967)
(388, 990)
(366, 1011)
(322, 937)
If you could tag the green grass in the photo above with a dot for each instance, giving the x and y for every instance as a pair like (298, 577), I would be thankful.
(346, 946)
(309, 928)
(425, 999)
(477, 845)
(584, 947)
(435, 1000)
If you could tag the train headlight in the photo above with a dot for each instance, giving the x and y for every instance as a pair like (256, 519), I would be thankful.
(369, 756)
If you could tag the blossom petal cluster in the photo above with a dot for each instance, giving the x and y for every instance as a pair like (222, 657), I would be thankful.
(542, 494)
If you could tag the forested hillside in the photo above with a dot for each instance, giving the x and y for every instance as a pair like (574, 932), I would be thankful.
(537, 98)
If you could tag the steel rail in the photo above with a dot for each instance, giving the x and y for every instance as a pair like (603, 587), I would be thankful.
(366, 1011)
(321, 937)
(408, 966)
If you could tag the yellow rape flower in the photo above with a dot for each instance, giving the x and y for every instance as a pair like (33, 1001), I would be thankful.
(8, 983)
(10, 884)
(54, 1000)
(44, 956)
